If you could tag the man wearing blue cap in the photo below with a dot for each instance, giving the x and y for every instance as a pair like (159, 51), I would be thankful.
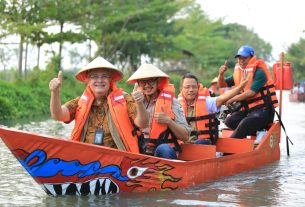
(258, 99)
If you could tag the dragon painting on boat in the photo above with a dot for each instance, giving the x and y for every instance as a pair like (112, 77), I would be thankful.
(65, 167)
(57, 176)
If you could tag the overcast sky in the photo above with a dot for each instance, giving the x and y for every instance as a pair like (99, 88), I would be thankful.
(279, 22)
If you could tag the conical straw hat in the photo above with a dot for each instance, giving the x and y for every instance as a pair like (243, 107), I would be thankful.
(99, 62)
(215, 80)
(146, 71)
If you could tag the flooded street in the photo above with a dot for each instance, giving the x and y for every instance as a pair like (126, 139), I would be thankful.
(279, 184)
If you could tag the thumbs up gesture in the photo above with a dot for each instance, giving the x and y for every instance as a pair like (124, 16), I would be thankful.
(55, 83)
(138, 95)
(223, 68)
(162, 117)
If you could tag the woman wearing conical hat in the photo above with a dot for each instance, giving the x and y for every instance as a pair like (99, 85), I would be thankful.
(167, 124)
(104, 114)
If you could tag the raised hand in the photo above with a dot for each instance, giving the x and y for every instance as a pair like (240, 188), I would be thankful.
(162, 117)
(223, 68)
(138, 95)
(55, 83)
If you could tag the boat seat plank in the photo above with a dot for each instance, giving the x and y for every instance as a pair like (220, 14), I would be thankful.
(226, 132)
(197, 152)
(232, 145)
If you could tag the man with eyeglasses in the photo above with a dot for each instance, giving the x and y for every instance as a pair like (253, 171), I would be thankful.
(104, 114)
(200, 109)
(167, 125)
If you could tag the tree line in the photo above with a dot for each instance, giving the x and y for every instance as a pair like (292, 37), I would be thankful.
(174, 34)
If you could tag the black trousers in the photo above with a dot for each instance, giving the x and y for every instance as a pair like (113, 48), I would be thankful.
(247, 124)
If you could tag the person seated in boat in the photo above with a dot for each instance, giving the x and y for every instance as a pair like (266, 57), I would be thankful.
(104, 114)
(167, 124)
(301, 89)
(297, 88)
(200, 108)
(258, 100)
(214, 89)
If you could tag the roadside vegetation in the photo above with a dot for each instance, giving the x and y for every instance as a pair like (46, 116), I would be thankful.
(29, 99)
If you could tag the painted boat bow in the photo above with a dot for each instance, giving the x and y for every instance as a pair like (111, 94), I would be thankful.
(65, 167)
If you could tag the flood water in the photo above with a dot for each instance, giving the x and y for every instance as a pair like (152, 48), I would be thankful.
(278, 184)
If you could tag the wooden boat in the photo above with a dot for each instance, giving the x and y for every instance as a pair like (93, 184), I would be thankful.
(64, 167)
(297, 97)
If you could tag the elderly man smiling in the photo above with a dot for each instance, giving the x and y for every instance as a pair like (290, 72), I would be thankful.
(104, 114)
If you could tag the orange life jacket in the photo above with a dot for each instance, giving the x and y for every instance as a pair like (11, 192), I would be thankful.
(206, 124)
(119, 114)
(160, 133)
(266, 97)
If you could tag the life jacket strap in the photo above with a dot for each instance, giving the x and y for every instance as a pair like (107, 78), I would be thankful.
(212, 126)
(266, 96)
(199, 118)
(162, 139)
(141, 140)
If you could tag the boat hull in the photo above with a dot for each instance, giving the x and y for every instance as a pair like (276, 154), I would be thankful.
(64, 167)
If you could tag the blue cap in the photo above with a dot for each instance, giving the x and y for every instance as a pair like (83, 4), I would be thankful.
(245, 51)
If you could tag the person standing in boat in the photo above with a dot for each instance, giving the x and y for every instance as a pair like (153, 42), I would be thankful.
(104, 114)
(167, 124)
(258, 101)
(200, 108)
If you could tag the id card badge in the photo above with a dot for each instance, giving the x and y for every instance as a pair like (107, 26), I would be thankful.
(98, 136)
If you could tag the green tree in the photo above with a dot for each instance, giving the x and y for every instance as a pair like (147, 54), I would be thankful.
(14, 15)
(202, 43)
(296, 55)
(241, 35)
(65, 15)
(126, 32)
(206, 44)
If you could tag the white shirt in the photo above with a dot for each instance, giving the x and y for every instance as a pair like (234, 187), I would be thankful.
(211, 105)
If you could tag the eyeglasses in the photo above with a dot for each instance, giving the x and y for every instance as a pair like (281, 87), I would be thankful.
(150, 82)
(190, 87)
(96, 76)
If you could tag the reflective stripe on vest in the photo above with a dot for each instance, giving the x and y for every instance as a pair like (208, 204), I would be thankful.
(165, 100)
(161, 133)
(119, 113)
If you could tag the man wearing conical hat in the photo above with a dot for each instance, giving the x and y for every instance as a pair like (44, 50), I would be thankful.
(167, 125)
(213, 89)
(104, 114)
